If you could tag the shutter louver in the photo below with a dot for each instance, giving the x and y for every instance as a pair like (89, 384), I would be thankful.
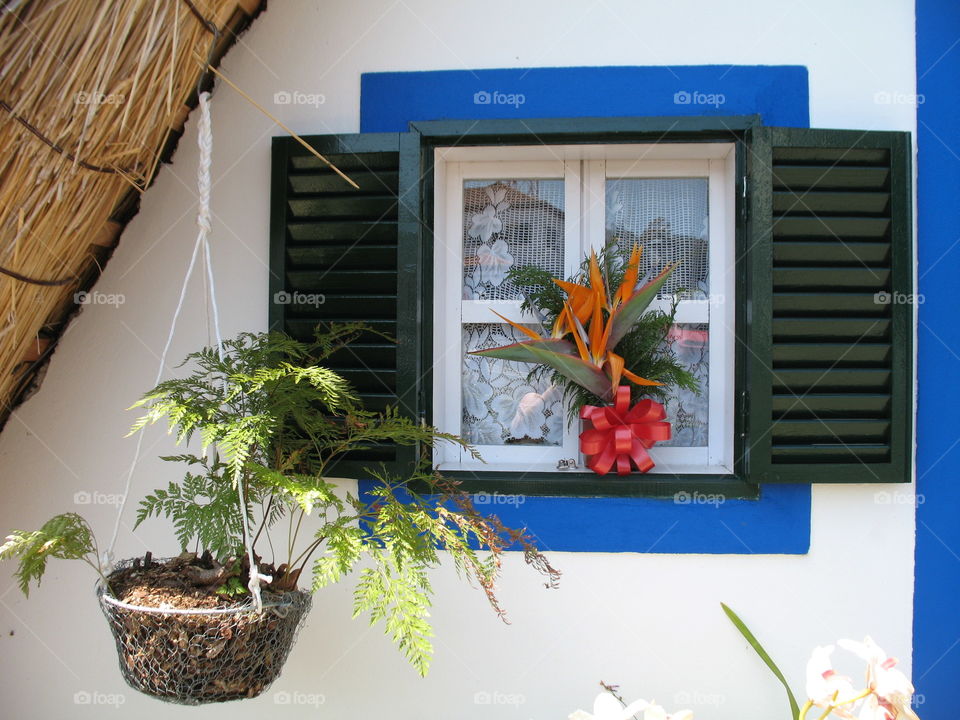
(830, 326)
(337, 243)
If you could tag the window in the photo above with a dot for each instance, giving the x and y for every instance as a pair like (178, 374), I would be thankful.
(806, 260)
(548, 206)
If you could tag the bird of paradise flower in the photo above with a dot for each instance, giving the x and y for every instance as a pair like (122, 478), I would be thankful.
(596, 321)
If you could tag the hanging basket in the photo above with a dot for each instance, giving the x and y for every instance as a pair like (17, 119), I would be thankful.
(200, 656)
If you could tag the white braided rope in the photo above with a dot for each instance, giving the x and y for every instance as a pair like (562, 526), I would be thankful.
(204, 185)
(107, 560)
(205, 141)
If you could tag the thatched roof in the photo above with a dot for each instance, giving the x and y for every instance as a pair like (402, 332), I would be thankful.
(93, 97)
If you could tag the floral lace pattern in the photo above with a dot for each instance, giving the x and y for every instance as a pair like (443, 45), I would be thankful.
(500, 406)
(508, 223)
(667, 217)
(687, 411)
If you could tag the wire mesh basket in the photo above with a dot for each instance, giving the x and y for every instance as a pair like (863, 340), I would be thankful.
(201, 656)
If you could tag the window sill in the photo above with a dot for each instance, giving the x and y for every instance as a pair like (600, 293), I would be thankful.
(681, 488)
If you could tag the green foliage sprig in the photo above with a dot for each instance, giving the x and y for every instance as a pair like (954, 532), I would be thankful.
(66, 536)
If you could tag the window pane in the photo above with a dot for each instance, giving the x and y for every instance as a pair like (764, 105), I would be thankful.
(500, 406)
(668, 218)
(509, 223)
(688, 411)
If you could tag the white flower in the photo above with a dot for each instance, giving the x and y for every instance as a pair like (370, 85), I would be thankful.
(494, 261)
(471, 286)
(476, 392)
(873, 710)
(485, 432)
(824, 686)
(607, 707)
(555, 424)
(529, 417)
(503, 406)
(614, 202)
(892, 688)
(655, 712)
(487, 222)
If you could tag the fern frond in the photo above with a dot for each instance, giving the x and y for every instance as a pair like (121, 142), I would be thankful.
(66, 536)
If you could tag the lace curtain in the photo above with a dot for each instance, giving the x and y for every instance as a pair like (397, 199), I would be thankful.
(509, 223)
(668, 218)
(520, 222)
(500, 405)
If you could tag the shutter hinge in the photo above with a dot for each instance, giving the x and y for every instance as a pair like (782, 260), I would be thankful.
(745, 203)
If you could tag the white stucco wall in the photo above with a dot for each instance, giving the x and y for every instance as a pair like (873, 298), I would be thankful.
(648, 622)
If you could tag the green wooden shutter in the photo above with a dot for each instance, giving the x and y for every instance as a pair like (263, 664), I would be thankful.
(353, 248)
(830, 319)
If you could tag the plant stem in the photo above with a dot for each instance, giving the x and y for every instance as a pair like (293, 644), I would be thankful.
(263, 522)
(308, 551)
(862, 695)
(293, 539)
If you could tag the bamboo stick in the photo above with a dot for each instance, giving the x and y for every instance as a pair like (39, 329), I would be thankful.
(277, 120)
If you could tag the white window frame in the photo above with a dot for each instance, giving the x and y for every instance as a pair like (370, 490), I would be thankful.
(585, 169)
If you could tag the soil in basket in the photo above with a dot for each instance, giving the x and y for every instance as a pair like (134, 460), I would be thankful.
(195, 658)
(174, 583)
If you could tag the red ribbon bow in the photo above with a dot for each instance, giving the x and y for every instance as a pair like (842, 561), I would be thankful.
(621, 434)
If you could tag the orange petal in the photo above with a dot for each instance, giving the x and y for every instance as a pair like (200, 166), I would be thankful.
(629, 277)
(525, 330)
(559, 326)
(615, 369)
(597, 351)
(634, 378)
(596, 278)
(577, 330)
(580, 297)
(605, 338)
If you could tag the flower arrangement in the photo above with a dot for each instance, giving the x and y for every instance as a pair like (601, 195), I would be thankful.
(597, 337)
(600, 338)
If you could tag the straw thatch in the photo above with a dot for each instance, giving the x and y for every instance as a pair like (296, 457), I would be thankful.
(93, 95)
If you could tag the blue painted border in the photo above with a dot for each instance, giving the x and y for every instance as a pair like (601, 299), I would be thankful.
(936, 623)
(777, 523)
(390, 100)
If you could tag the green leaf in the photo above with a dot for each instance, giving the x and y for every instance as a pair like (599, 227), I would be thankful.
(755, 644)
(570, 366)
(628, 313)
(520, 352)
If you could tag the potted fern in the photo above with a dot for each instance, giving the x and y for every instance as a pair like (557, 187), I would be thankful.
(217, 621)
